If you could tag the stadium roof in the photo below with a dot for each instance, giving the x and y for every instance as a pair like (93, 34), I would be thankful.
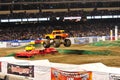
(59, 1)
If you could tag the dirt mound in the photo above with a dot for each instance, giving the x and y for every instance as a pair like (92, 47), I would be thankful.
(111, 59)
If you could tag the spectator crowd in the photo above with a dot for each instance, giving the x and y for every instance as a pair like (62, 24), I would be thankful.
(75, 29)
(59, 14)
(27, 30)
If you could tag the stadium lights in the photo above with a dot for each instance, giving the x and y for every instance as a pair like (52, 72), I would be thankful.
(14, 20)
(115, 16)
(89, 17)
(70, 18)
(118, 16)
(24, 20)
(4, 20)
(57, 18)
(103, 17)
(43, 19)
(106, 17)
(32, 19)
(97, 17)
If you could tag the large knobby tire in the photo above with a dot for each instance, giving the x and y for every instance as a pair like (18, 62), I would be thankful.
(67, 43)
(46, 44)
(56, 43)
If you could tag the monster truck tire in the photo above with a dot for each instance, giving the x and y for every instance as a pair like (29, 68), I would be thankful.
(46, 44)
(67, 43)
(56, 43)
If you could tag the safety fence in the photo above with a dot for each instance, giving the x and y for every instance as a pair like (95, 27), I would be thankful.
(14, 69)
(74, 40)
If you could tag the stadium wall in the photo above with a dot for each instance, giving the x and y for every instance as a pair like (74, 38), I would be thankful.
(74, 40)
(15, 69)
(14, 43)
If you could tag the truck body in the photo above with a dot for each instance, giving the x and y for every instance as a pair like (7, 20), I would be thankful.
(56, 38)
(56, 34)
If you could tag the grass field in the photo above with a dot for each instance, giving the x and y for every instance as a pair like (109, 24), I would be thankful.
(106, 52)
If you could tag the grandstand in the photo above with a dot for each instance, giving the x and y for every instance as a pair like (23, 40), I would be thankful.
(78, 17)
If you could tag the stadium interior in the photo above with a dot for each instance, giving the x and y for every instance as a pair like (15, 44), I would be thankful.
(26, 9)
(86, 21)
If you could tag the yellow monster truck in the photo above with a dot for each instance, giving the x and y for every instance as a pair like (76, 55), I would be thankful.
(56, 38)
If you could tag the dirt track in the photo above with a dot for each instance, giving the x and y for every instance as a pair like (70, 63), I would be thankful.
(113, 59)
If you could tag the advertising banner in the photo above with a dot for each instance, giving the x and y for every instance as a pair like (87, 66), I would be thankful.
(15, 44)
(81, 40)
(22, 70)
(3, 44)
(57, 74)
(114, 76)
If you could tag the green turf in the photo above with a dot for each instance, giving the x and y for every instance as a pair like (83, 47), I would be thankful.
(103, 52)
(11, 54)
(106, 43)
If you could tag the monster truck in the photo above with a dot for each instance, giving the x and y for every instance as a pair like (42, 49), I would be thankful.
(29, 48)
(56, 38)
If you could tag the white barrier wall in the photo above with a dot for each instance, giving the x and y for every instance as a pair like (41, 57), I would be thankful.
(35, 70)
(86, 40)
(74, 40)
(100, 76)
(3, 44)
(12, 44)
(41, 70)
